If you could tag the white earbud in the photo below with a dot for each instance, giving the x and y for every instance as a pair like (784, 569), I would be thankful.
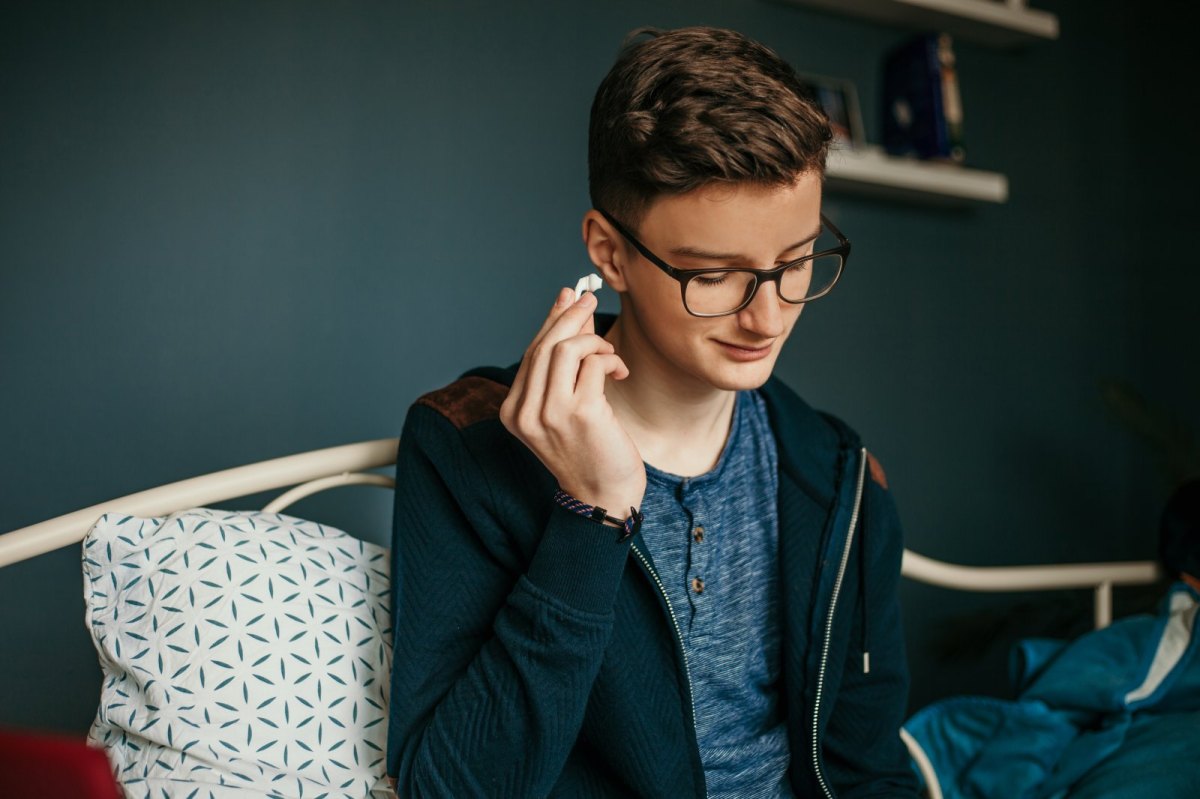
(590, 283)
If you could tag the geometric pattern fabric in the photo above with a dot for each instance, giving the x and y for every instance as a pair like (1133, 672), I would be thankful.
(244, 654)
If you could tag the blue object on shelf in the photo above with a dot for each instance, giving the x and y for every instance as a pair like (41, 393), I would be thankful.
(922, 114)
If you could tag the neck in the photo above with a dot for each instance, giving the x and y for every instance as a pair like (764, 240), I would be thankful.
(678, 423)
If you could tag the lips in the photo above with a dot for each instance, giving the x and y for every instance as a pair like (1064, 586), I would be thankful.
(742, 352)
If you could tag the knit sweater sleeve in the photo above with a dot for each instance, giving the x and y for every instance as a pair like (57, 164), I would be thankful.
(863, 751)
(496, 646)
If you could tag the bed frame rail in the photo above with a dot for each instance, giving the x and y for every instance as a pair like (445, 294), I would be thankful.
(1100, 577)
(314, 471)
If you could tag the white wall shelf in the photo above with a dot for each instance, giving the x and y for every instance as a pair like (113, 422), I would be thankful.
(996, 23)
(872, 172)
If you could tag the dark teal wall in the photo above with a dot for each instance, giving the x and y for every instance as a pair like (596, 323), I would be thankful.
(232, 231)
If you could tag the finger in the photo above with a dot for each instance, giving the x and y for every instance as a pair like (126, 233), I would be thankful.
(562, 302)
(572, 320)
(589, 325)
(593, 371)
(547, 337)
(569, 323)
(563, 373)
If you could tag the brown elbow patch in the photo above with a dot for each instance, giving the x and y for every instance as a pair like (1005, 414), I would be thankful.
(467, 401)
(877, 473)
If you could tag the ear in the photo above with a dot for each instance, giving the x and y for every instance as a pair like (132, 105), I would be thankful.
(607, 249)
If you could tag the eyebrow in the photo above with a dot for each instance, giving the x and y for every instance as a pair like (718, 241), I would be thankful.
(708, 255)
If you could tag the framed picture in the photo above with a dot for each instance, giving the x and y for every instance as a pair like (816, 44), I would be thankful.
(839, 99)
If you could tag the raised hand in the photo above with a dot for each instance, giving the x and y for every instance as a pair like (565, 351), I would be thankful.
(557, 408)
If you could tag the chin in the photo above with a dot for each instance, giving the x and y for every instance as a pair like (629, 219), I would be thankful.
(741, 377)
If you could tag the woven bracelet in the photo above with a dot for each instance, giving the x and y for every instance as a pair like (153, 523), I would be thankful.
(628, 526)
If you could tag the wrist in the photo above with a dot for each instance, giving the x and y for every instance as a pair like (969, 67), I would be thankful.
(618, 499)
(627, 521)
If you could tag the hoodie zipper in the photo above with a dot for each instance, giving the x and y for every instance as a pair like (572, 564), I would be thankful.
(837, 588)
(687, 672)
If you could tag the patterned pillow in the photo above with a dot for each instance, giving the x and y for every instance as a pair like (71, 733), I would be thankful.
(244, 654)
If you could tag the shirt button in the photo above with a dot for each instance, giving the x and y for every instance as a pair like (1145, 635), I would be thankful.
(698, 585)
(698, 534)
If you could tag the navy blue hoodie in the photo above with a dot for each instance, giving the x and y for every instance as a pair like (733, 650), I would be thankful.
(535, 654)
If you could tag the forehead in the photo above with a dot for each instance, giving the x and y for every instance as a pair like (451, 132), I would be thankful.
(725, 216)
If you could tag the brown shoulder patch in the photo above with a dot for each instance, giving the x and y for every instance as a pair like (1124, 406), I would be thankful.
(877, 473)
(466, 401)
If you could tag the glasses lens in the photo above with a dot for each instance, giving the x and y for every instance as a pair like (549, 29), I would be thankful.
(718, 292)
(809, 279)
(714, 293)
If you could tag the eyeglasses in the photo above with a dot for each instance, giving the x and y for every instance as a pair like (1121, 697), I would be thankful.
(720, 292)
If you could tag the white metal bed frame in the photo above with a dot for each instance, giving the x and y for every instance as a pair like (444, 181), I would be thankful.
(317, 470)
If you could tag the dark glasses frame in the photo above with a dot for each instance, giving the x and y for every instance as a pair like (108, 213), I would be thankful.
(775, 275)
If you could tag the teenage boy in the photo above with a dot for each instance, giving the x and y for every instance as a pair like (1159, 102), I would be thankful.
(637, 564)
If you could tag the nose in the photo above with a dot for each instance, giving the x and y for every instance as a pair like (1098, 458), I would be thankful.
(764, 315)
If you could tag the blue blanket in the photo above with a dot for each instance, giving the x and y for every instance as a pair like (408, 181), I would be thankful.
(1114, 713)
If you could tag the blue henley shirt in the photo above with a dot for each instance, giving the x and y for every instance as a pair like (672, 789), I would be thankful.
(714, 541)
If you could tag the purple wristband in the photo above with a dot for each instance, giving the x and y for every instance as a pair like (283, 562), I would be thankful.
(630, 526)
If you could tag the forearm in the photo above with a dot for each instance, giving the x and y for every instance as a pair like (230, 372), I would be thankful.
(509, 720)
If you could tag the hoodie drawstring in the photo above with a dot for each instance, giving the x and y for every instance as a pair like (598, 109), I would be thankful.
(862, 582)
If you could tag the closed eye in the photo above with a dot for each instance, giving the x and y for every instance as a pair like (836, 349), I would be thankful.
(711, 278)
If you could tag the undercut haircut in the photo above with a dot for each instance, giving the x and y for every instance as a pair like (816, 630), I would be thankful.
(696, 106)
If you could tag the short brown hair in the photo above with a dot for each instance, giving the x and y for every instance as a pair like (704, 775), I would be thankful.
(695, 106)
